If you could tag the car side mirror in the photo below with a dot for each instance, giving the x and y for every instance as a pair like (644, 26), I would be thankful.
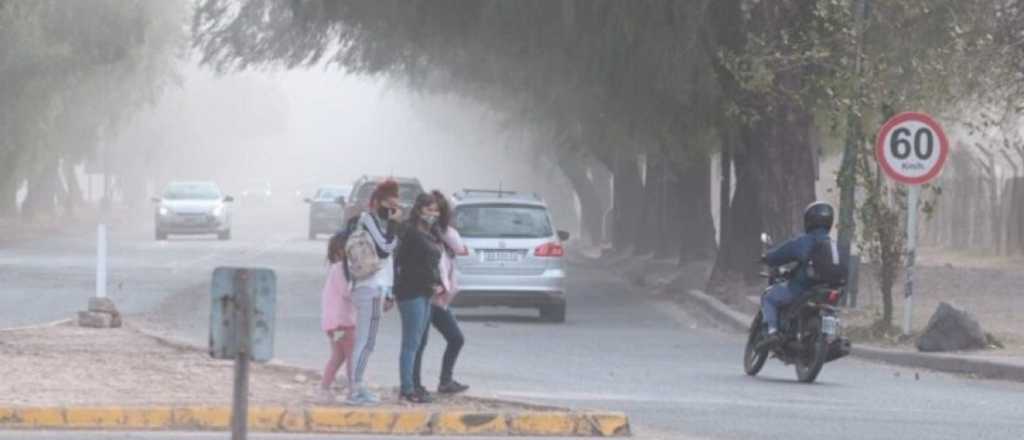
(563, 235)
(228, 199)
(340, 200)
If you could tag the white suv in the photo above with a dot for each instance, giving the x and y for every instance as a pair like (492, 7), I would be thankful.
(514, 254)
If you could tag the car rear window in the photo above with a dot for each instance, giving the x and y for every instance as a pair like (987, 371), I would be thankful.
(503, 221)
(192, 191)
(407, 192)
(330, 193)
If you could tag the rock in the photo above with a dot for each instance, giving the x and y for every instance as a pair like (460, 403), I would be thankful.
(952, 329)
(102, 305)
(99, 320)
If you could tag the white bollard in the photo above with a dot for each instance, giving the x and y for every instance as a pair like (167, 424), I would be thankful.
(101, 261)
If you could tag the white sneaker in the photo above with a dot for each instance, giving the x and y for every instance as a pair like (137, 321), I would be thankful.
(323, 395)
(361, 396)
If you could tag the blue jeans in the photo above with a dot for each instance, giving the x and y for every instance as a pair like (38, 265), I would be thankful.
(444, 321)
(778, 295)
(415, 321)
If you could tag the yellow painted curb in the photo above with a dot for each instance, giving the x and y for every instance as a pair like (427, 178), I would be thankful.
(37, 418)
(360, 421)
(542, 423)
(470, 423)
(400, 421)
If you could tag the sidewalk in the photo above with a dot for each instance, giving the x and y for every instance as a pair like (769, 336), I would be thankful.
(989, 364)
(66, 377)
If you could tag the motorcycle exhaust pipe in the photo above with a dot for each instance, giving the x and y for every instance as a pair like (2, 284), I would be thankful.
(838, 349)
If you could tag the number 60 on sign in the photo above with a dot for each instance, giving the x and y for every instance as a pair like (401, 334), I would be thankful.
(912, 148)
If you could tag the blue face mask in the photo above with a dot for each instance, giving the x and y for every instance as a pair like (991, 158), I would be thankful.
(430, 220)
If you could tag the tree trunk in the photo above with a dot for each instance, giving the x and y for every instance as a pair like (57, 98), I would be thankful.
(40, 199)
(628, 202)
(725, 184)
(695, 223)
(653, 213)
(74, 197)
(738, 249)
(591, 208)
(9, 183)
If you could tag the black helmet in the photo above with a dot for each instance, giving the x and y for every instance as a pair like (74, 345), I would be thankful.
(818, 215)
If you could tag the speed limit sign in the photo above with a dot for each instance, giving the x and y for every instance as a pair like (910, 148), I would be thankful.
(912, 148)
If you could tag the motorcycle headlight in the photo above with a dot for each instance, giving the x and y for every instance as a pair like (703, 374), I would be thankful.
(218, 210)
(164, 211)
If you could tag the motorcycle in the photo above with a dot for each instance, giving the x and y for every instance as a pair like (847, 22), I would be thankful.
(809, 328)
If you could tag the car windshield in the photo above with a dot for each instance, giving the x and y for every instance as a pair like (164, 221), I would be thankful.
(502, 221)
(192, 191)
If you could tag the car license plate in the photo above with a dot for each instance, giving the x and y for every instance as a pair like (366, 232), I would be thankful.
(829, 325)
(501, 256)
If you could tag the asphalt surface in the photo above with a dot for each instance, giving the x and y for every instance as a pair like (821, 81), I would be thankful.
(621, 349)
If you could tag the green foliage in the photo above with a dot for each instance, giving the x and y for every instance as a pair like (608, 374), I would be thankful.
(74, 72)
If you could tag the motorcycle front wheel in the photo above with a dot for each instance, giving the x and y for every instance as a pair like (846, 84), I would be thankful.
(808, 366)
(753, 359)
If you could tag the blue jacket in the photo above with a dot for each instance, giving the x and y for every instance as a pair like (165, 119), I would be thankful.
(797, 250)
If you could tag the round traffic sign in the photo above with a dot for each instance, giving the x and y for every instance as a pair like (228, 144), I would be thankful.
(912, 148)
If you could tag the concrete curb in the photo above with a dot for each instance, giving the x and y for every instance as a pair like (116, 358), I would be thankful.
(947, 363)
(720, 311)
(405, 421)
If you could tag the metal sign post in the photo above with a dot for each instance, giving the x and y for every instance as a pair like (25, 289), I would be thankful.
(911, 149)
(913, 195)
(240, 401)
(101, 261)
(242, 329)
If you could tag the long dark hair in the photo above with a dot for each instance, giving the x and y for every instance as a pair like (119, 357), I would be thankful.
(444, 209)
(422, 201)
(336, 248)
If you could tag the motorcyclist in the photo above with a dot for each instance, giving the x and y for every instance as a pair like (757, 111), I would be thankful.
(818, 220)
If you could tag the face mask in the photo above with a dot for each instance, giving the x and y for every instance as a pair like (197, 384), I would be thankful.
(383, 212)
(430, 220)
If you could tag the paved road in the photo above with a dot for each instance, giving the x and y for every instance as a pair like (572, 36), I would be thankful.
(621, 348)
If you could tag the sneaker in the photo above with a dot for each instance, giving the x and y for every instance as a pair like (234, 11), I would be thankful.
(421, 389)
(362, 397)
(417, 397)
(452, 387)
(770, 341)
(323, 395)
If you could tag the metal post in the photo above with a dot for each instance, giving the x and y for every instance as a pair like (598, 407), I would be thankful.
(912, 196)
(101, 261)
(240, 406)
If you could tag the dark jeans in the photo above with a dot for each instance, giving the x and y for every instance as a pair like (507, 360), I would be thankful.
(778, 296)
(415, 323)
(444, 321)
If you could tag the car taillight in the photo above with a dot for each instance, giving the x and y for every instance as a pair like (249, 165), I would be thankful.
(549, 250)
(833, 297)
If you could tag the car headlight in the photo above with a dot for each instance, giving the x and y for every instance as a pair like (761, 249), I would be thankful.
(164, 211)
(218, 210)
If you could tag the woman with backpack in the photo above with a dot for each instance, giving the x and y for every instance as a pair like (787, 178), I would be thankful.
(417, 280)
(441, 316)
(338, 317)
(371, 242)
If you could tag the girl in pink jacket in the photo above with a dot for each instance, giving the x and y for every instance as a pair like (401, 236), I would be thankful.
(338, 316)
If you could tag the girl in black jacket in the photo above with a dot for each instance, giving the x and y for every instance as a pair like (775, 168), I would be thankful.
(417, 279)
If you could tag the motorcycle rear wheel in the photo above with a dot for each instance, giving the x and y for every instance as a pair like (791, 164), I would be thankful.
(808, 366)
(753, 359)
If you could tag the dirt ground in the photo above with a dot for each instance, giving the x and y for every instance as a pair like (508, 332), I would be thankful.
(69, 365)
(990, 288)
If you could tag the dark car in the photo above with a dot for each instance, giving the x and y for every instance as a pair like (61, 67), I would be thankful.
(359, 200)
(327, 209)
